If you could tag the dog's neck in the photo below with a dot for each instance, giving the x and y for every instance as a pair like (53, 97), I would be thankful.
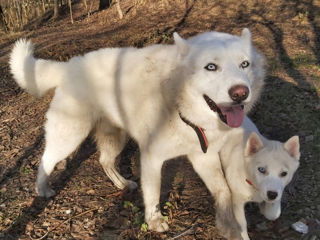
(199, 131)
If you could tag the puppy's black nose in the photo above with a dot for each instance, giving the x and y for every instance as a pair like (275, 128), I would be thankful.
(238, 93)
(272, 195)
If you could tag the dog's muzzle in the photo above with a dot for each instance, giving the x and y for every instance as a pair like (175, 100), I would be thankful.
(232, 115)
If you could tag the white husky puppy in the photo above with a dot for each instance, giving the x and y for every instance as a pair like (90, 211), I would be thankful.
(257, 170)
(167, 97)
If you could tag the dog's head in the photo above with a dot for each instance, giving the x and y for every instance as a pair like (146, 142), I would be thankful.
(222, 77)
(271, 165)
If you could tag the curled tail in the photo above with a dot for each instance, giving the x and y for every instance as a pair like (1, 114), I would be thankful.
(36, 76)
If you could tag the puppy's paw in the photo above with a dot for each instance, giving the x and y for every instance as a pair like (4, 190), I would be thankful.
(158, 224)
(46, 192)
(271, 211)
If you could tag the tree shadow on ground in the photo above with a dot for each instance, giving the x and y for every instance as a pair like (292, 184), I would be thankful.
(30, 213)
(12, 171)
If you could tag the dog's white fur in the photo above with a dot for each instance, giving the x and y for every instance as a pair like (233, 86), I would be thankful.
(245, 152)
(141, 92)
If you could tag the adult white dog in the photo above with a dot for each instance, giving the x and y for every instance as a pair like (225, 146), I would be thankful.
(257, 170)
(167, 97)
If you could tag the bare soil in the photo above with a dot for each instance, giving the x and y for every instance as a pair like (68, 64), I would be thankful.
(87, 204)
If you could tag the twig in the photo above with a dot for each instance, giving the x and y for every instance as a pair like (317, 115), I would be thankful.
(187, 231)
(65, 221)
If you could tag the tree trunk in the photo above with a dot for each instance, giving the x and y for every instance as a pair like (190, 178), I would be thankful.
(104, 4)
(56, 9)
(43, 6)
(70, 7)
(119, 9)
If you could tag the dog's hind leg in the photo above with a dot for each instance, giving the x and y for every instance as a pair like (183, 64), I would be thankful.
(110, 142)
(67, 126)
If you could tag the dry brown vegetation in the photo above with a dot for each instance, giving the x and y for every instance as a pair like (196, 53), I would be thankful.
(87, 205)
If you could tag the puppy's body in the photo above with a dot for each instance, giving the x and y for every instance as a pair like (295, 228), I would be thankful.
(147, 93)
(257, 170)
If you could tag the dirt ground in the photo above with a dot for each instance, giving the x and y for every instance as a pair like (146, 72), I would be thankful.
(87, 204)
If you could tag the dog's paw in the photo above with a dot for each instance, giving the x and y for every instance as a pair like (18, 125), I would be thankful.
(158, 224)
(131, 185)
(46, 192)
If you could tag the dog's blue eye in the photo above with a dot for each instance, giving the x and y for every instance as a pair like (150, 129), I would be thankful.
(211, 67)
(262, 170)
(245, 64)
(283, 174)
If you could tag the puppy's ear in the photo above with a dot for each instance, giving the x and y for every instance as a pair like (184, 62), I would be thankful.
(181, 43)
(254, 145)
(292, 146)
(246, 35)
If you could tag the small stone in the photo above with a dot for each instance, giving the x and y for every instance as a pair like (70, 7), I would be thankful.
(68, 211)
(300, 227)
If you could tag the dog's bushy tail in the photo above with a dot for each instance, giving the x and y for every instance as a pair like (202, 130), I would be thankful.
(36, 76)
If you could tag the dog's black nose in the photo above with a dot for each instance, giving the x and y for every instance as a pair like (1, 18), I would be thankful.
(239, 93)
(272, 195)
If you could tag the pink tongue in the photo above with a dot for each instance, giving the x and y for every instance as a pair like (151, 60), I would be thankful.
(234, 115)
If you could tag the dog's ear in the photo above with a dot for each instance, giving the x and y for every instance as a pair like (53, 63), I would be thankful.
(292, 146)
(246, 35)
(254, 145)
(181, 43)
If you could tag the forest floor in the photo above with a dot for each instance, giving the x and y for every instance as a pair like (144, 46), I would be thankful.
(87, 204)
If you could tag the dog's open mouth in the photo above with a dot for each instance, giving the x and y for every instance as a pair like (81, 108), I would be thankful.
(231, 115)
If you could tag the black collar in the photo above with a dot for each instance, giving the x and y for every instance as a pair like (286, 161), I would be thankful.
(200, 133)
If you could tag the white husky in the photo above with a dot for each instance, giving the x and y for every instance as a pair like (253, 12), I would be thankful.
(167, 97)
(257, 170)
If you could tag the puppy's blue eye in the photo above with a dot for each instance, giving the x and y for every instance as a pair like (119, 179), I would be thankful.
(262, 170)
(244, 64)
(283, 174)
(211, 67)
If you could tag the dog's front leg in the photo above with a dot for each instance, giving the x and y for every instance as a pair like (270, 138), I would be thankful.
(238, 209)
(151, 184)
(208, 167)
